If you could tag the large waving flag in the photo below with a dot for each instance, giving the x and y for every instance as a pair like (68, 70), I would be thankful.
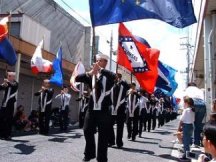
(7, 51)
(79, 69)
(166, 79)
(138, 58)
(178, 13)
(57, 77)
(38, 64)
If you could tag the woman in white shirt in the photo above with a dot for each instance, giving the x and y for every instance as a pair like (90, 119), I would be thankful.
(186, 124)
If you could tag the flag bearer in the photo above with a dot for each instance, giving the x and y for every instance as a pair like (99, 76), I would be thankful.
(98, 114)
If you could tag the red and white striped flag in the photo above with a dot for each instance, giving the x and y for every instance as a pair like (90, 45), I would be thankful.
(79, 69)
(38, 64)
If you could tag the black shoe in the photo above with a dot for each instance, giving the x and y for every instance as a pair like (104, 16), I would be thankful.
(8, 138)
(133, 138)
(86, 159)
(119, 146)
(111, 144)
(129, 137)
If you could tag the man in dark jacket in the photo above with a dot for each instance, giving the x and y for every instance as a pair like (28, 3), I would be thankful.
(45, 104)
(98, 115)
(118, 96)
(10, 87)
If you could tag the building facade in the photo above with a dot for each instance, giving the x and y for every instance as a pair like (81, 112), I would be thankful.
(31, 22)
(203, 68)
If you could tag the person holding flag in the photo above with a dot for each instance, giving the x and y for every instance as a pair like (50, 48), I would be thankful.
(45, 104)
(10, 87)
(98, 116)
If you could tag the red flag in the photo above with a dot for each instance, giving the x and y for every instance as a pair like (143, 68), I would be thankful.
(138, 58)
(3, 27)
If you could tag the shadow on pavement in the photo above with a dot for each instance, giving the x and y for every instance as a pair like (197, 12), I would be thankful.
(69, 135)
(146, 142)
(169, 157)
(162, 132)
(61, 140)
(25, 149)
(156, 139)
(22, 141)
(136, 150)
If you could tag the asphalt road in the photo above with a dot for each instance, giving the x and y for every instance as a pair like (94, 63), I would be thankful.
(155, 146)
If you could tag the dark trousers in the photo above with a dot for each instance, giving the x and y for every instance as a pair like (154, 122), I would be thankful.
(81, 118)
(147, 122)
(160, 120)
(132, 127)
(154, 120)
(44, 119)
(119, 120)
(63, 119)
(93, 120)
(141, 124)
(200, 112)
(6, 120)
(187, 134)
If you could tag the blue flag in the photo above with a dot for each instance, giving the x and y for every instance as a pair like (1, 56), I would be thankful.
(178, 13)
(7, 52)
(57, 77)
(166, 79)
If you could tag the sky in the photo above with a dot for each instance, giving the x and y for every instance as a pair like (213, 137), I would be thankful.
(159, 35)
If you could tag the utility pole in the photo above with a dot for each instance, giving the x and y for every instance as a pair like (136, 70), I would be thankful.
(185, 44)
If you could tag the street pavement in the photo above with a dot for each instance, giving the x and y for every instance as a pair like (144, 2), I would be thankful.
(155, 146)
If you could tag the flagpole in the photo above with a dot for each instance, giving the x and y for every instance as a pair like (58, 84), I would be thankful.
(93, 45)
(111, 50)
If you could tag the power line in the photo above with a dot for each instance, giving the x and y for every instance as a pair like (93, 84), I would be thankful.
(76, 12)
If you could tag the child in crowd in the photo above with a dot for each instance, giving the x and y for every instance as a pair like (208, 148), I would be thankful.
(21, 121)
(186, 124)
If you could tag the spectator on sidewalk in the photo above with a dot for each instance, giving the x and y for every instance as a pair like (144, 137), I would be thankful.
(21, 121)
(209, 141)
(34, 118)
(186, 124)
(200, 110)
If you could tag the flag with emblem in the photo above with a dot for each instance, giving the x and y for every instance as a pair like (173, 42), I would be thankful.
(7, 52)
(138, 58)
(166, 74)
(178, 13)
